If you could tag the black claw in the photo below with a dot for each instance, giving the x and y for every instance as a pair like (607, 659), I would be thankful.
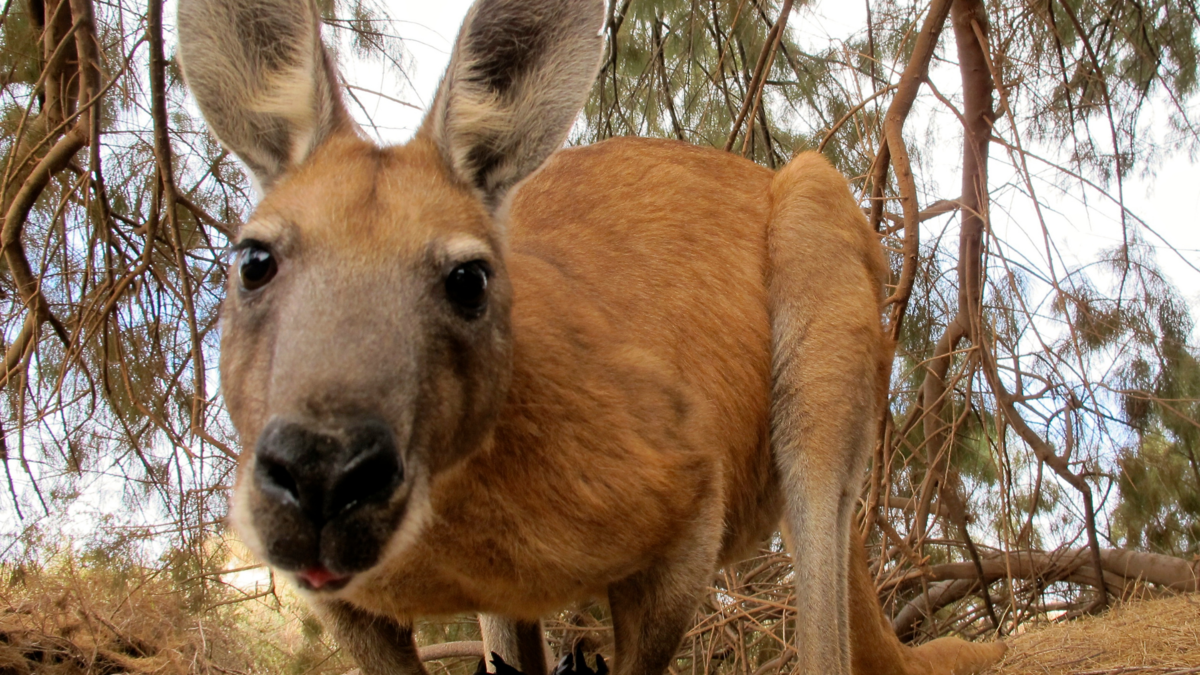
(503, 668)
(581, 666)
(566, 666)
(576, 664)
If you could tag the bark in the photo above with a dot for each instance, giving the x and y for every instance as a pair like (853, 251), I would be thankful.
(69, 41)
(909, 504)
(57, 64)
(166, 173)
(893, 151)
(977, 118)
(444, 650)
(27, 282)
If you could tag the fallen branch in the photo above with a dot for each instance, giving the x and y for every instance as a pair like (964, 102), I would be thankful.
(446, 650)
(955, 581)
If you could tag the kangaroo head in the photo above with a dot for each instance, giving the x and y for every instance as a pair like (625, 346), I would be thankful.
(365, 335)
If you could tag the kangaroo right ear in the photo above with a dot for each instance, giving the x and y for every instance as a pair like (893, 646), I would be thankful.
(520, 72)
(263, 80)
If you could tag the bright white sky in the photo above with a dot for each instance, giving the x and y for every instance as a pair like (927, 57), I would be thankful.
(428, 29)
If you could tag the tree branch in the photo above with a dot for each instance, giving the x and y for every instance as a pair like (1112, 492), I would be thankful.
(955, 581)
(755, 91)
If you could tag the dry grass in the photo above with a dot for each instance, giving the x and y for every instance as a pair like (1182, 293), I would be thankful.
(1150, 637)
(76, 620)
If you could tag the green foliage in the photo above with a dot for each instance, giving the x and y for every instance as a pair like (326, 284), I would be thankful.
(20, 53)
(1110, 59)
(1156, 382)
(1160, 498)
(681, 70)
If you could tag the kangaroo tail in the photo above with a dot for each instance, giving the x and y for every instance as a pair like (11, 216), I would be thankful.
(877, 651)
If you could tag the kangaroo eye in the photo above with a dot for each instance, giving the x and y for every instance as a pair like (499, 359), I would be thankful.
(466, 288)
(256, 266)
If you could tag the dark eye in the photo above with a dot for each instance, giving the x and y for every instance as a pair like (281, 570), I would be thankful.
(466, 288)
(256, 266)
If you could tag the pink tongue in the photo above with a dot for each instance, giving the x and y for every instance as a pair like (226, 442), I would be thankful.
(318, 576)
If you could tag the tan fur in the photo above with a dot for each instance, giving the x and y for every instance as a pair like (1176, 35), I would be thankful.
(686, 408)
(679, 348)
(521, 644)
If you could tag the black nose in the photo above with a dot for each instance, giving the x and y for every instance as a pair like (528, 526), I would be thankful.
(327, 474)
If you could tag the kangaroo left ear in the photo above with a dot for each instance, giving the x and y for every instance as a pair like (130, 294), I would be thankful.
(520, 73)
(263, 79)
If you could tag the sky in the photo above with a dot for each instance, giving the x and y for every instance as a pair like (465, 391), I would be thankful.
(428, 30)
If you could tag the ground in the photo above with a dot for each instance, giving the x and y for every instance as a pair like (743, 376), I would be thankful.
(1150, 637)
(75, 621)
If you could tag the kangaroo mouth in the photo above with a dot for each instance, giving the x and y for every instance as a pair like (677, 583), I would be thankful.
(319, 578)
(325, 556)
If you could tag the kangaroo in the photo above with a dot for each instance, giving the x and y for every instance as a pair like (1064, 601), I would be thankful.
(474, 373)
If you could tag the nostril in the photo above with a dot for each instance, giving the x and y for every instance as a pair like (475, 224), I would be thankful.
(276, 478)
(370, 477)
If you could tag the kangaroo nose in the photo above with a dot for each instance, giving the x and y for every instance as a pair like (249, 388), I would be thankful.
(326, 475)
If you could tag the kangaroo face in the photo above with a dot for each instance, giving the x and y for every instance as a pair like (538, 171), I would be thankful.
(365, 346)
(365, 337)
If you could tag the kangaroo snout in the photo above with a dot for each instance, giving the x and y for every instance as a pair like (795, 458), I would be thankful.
(325, 476)
(327, 496)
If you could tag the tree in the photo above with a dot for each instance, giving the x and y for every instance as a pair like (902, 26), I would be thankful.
(1038, 402)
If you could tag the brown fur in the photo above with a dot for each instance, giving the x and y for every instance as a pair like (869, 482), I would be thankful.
(679, 348)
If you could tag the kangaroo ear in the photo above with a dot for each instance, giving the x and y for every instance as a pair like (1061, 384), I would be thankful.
(520, 73)
(262, 78)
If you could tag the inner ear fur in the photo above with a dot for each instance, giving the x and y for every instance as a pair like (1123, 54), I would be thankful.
(520, 73)
(262, 78)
